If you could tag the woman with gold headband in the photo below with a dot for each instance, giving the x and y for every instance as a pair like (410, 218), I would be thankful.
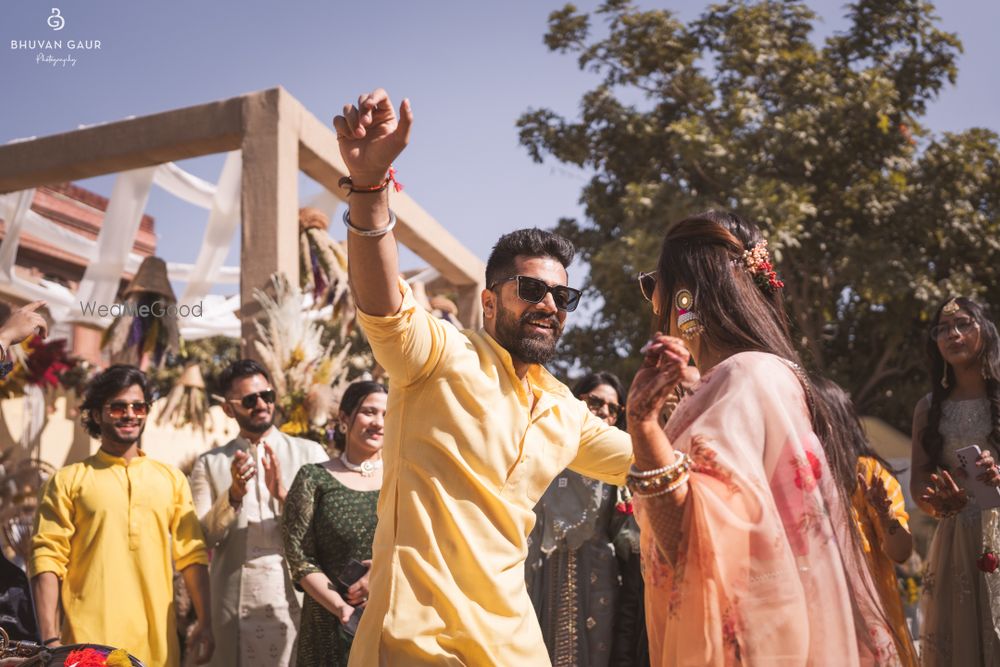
(748, 551)
(961, 596)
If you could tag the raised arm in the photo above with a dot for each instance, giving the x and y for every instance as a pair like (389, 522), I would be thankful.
(656, 380)
(371, 136)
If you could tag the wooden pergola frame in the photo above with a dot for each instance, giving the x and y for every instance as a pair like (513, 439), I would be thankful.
(278, 137)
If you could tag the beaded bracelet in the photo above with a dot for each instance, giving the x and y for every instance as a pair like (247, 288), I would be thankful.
(647, 486)
(670, 488)
(380, 231)
(679, 458)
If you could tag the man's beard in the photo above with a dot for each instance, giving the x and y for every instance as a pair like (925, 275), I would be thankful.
(247, 423)
(108, 434)
(532, 348)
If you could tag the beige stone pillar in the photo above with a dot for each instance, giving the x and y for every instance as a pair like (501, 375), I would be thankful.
(270, 206)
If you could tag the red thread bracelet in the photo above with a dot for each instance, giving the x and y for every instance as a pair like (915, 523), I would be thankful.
(348, 184)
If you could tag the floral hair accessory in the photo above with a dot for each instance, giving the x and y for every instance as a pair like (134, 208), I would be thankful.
(757, 262)
(950, 308)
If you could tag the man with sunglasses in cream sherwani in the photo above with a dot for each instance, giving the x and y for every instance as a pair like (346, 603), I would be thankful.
(475, 430)
(239, 490)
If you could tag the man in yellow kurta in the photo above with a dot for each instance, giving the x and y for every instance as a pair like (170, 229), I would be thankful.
(108, 531)
(475, 431)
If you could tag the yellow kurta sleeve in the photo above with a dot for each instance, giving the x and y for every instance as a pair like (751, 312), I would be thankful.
(410, 343)
(605, 451)
(895, 493)
(54, 528)
(185, 530)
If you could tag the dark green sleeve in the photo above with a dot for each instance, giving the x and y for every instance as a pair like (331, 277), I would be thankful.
(297, 524)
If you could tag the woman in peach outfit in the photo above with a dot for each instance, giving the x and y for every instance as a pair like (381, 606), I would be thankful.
(749, 553)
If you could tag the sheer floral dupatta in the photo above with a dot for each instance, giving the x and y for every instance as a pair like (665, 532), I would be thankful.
(756, 575)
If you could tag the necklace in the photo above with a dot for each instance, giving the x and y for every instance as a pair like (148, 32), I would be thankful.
(367, 468)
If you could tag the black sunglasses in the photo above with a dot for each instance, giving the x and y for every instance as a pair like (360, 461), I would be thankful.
(647, 284)
(250, 400)
(118, 409)
(595, 403)
(534, 290)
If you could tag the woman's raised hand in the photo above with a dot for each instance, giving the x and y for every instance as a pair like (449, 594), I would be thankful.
(663, 364)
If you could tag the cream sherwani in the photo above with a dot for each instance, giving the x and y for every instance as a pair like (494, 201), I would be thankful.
(255, 609)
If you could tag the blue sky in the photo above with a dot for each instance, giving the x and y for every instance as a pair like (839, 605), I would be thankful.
(470, 69)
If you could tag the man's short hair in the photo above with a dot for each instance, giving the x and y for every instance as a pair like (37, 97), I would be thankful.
(106, 384)
(532, 242)
(241, 368)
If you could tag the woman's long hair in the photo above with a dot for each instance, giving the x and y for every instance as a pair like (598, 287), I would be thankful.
(844, 419)
(588, 382)
(932, 441)
(354, 396)
(704, 254)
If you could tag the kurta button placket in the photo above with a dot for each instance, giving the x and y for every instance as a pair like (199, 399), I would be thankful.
(133, 528)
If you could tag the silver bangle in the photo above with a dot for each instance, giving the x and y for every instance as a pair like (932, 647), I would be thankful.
(635, 473)
(370, 233)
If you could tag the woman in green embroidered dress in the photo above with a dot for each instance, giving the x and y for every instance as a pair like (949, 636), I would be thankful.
(329, 521)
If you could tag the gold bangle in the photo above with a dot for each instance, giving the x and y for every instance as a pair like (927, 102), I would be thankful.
(647, 486)
(678, 483)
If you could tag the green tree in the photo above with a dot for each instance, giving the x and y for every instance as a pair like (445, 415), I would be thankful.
(872, 220)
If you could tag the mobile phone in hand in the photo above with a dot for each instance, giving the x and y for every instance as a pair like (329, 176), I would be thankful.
(353, 571)
(351, 627)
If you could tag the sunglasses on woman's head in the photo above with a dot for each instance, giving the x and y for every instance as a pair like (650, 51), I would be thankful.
(534, 290)
(250, 400)
(647, 284)
(118, 409)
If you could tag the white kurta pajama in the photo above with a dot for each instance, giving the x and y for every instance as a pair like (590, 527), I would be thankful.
(255, 609)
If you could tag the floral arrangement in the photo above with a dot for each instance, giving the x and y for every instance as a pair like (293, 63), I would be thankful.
(909, 589)
(758, 264)
(38, 363)
(91, 657)
(307, 374)
(322, 264)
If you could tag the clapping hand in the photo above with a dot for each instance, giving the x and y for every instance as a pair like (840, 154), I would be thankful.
(242, 470)
(272, 474)
(371, 136)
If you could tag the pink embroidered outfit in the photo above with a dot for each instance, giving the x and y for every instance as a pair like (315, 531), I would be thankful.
(758, 576)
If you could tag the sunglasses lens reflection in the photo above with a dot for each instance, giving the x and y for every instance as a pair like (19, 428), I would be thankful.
(250, 400)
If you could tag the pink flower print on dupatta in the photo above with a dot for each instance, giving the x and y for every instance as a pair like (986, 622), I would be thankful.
(795, 487)
(808, 470)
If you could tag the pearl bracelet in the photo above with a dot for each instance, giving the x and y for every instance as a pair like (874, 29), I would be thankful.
(635, 473)
(681, 481)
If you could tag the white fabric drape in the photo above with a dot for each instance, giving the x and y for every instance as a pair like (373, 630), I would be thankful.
(12, 232)
(115, 240)
(223, 221)
(111, 254)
